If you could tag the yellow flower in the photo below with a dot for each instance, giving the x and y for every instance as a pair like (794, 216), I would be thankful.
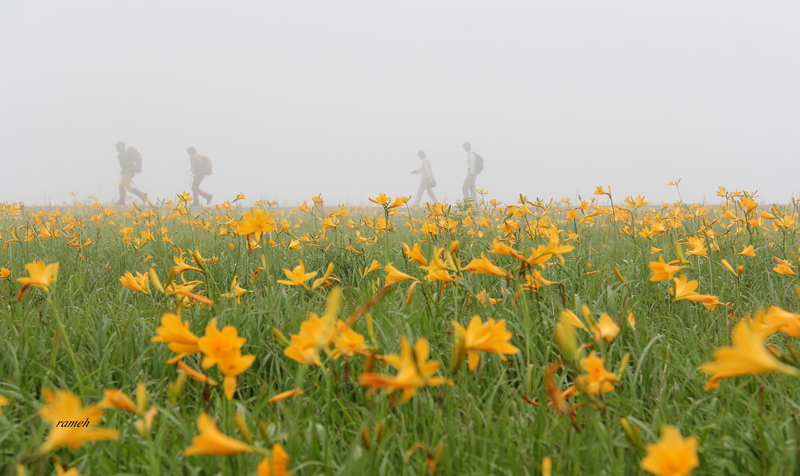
(255, 223)
(785, 268)
(394, 276)
(297, 276)
(748, 355)
(181, 340)
(596, 379)
(489, 336)
(568, 317)
(236, 291)
(374, 266)
(414, 253)
(748, 251)
(139, 283)
(70, 472)
(216, 343)
(348, 342)
(484, 266)
(285, 395)
(39, 276)
(3, 402)
(5, 272)
(325, 279)
(194, 374)
(117, 399)
(316, 333)
(276, 465)
(698, 246)
(414, 371)
(662, 270)
(71, 423)
(211, 441)
(606, 329)
(382, 199)
(685, 291)
(672, 455)
(778, 320)
(181, 265)
(231, 364)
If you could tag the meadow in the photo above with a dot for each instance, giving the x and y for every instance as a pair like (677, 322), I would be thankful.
(554, 337)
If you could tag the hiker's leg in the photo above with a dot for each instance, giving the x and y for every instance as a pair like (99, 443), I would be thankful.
(433, 197)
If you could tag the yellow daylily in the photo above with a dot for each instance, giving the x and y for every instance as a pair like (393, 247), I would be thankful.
(211, 441)
(489, 336)
(40, 276)
(71, 424)
(297, 276)
(672, 455)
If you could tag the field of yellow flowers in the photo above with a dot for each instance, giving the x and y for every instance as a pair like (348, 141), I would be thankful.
(605, 336)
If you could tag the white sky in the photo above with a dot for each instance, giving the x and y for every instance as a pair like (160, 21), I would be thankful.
(295, 98)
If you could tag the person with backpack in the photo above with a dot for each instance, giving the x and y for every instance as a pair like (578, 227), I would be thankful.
(427, 182)
(474, 167)
(130, 164)
(201, 166)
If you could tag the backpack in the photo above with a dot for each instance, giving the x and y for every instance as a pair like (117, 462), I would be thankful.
(478, 164)
(206, 166)
(136, 159)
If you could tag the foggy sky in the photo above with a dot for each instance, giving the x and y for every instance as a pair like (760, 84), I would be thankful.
(293, 99)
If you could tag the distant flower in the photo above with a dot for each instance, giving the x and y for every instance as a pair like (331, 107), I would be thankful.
(374, 266)
(3, 402)
(297, 276)
(672, 455)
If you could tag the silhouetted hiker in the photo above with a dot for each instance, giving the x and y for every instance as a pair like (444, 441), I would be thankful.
(469, 183)
(130, 163)
(201, 166)
(426, 180)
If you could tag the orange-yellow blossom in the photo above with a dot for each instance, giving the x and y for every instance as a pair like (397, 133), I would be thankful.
(484, 266)
(211, 441)
(139, 283)
(64, 408)
(40, 276)
(297, 276)
(394, 276)
(596, 379)
(662, 270)
(748, 355)
(177, 334)
(414, 371)
(489, 336)
(117, 399)
(672, 455)
(276, 465)
(606, 329)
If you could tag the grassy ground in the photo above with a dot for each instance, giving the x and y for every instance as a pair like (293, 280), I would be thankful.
(493, 420)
